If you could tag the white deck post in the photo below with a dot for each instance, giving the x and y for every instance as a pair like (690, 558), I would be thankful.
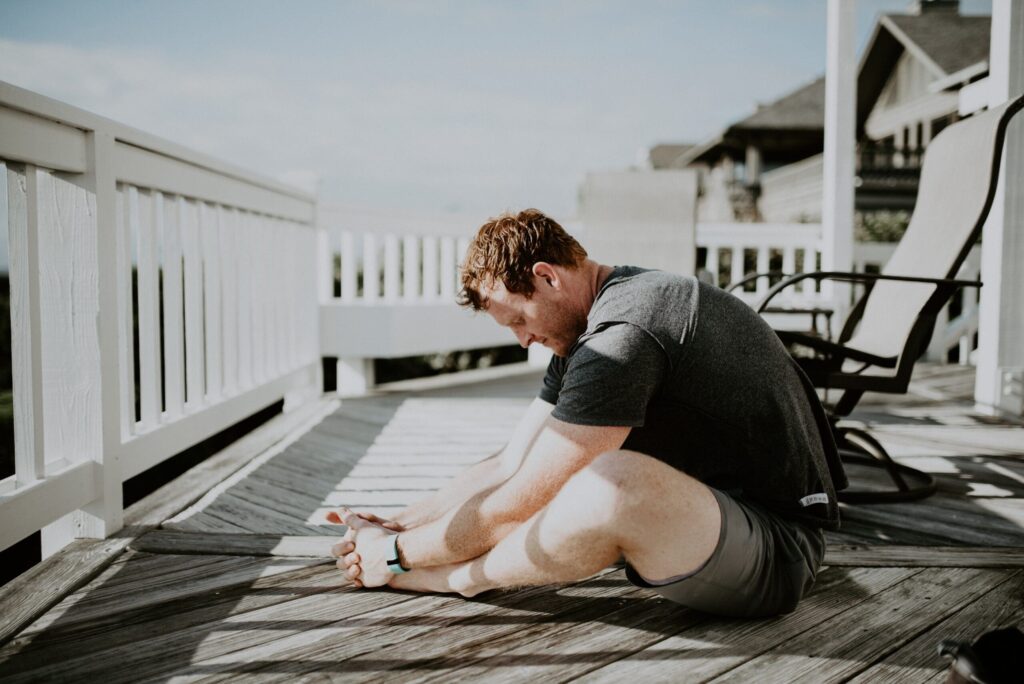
(96, 435)
(840, 134)
(999, 387)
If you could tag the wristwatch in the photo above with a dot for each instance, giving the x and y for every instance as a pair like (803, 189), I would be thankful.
(394, 564)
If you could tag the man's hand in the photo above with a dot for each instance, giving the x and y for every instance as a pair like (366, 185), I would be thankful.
(363, 552)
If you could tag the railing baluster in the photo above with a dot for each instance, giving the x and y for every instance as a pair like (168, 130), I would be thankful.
(430, 273)
(392, 268)
(462, 246)
(763, 253)
(147, 226)
(448, 269)
(789, 260)
(349, 267)
(810, 266)
(711, 263)
(267, 287)
(229, 298)
(209, 226)
(737, 271)
(173, 338)
(125, 316)
(243, 282)
(26, 324)
(285, 279)
(411, 267)
(195, 369)
(371, 268)
(255, 237)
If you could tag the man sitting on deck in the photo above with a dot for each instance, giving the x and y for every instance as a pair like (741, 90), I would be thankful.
(672, 429)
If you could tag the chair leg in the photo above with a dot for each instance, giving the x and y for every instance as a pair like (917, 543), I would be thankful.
(857, 446)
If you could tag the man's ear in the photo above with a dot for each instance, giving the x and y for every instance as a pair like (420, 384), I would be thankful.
(547, 273)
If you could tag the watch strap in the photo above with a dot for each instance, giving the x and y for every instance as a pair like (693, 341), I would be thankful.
(393, 562)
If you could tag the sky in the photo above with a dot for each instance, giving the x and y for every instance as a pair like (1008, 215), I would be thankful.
(440, 106)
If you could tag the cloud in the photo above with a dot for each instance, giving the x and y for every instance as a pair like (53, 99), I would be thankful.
(513, 130)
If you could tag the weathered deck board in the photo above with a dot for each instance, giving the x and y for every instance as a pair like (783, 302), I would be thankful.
(919, 661)
(885, 622)
(245, 587)
(427, 630)
(699, 653)
(238, 584)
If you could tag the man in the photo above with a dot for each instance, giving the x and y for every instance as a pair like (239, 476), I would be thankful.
(672, 429)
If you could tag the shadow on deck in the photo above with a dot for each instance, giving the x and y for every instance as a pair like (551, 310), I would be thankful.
(238, 584)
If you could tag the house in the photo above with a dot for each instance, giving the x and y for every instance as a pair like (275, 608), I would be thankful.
(731, 164)
(920, 72)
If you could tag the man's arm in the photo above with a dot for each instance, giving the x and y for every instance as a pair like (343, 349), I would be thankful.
(482, 476)
(474, 527)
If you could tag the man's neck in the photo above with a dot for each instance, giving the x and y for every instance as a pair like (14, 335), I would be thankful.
(595, 275)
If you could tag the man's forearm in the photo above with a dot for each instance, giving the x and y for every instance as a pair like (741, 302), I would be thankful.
(469, 529)
(484, 475)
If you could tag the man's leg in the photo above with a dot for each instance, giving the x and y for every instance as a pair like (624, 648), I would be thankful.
(624, 503)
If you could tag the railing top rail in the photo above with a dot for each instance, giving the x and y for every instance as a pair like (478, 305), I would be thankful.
(756, 233)
(19, 99)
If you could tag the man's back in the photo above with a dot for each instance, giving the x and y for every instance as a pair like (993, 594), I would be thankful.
(706, 386)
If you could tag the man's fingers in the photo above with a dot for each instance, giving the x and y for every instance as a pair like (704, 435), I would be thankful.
(352, 559)
(383, 522)
(344, 516)
(341, 548)
(353, 572)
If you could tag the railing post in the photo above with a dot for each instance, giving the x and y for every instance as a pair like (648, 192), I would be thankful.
(355, 376)
(103, 516)
(999, 384)
(838, 158)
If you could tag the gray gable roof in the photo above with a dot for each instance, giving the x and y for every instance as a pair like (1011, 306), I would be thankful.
(945, 42)
(663, 156)
(953, 42)
(802, 108)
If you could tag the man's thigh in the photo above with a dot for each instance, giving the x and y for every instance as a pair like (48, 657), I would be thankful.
(761, 565)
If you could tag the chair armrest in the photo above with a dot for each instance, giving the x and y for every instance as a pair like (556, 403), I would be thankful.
(751, 277)
(847, 276)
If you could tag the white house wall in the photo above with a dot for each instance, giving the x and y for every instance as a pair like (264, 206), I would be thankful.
(792, 193)
(905, 101)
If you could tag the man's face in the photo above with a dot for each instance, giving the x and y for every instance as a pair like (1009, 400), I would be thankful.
(545, 317)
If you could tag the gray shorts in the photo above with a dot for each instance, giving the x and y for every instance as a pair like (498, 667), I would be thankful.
(762, 566)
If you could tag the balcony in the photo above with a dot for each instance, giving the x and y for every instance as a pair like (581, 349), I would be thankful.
(223, 572)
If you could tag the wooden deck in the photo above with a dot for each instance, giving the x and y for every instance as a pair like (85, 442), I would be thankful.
(236, 583)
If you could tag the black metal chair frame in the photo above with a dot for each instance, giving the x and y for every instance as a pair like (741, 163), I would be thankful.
(825, 370)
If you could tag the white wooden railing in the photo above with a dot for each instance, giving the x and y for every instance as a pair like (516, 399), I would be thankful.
(796, 248)
(396, 299)
(224, 302)
(395, 291)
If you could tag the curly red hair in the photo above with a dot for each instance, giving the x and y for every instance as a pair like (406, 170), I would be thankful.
(505, 250)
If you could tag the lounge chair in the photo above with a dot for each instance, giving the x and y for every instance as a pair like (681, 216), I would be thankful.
(890, 326)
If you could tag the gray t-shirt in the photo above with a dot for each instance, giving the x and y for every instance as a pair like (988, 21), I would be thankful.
(706, 386)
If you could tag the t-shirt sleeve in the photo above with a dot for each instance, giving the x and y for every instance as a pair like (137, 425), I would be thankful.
(552, 385)
(611, 377)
